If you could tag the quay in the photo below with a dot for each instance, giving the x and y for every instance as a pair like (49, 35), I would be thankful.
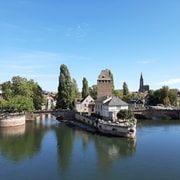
(152, 113)
(12, 120)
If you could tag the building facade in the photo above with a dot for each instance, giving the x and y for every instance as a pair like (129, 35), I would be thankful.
(108, 107)
(85, 105)
(104, 84)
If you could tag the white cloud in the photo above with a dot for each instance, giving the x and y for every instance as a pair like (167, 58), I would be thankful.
(174, 81)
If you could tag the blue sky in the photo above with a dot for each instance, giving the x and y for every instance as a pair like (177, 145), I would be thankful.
(129, 37)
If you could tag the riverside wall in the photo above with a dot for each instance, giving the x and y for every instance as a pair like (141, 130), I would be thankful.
(11, 121)
(158, 113)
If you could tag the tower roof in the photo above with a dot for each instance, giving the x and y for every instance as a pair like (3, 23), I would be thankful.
(105, 75)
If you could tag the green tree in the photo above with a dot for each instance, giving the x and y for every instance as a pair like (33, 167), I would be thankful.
(38, 98)
(7, 89)
(21, 86)
(75, 90)
(164, 95)
(3, 104)
(173, 96)
(24, 88)
(64, 96)
(85, 88)
(112, 78)
(118, 93)
(93, 91)
(125, 114)
(21, 103)
(125, 89)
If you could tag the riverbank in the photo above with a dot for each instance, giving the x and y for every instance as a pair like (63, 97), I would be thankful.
(12, 120)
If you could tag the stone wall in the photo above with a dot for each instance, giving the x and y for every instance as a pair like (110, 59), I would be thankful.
(12, 121)
(158, 113)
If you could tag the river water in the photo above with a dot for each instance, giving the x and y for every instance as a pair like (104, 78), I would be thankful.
(46, 149)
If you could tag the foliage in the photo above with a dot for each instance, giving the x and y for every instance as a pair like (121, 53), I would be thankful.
(75, 90)
(118, 93)
(112, 78)
(85, 89)
(93, 91)
(125, 89)
(125, 114)
(26, 93)
(64, 96)
(7, 90)
(173, 96)
(37, 96)
(21, 103)
(163, 96)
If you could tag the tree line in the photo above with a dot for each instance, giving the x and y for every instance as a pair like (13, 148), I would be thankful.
(21, 94)
(68, 91)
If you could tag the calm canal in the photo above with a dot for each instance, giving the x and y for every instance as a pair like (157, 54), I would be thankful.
(46, 149)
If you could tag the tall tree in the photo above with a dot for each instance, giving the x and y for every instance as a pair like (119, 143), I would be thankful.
(38, 98)
(93, 91)
(164, 95)
(118, 93)
(75, 90)
(126, 94)
(173, 96)
(64, 96)
(125, 89)
(85, 89)
(112, 78)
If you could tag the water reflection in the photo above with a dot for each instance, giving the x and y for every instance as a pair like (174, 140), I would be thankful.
(65, 143)
(27, 141)
(12, 131)
(108, 149)
(80, 149)
(18, 143)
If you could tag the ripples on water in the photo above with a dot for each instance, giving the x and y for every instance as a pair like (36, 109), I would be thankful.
(47, 149)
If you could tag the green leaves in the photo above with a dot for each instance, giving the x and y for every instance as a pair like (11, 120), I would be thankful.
(22, 94)
(64, 97)
(125, 114)
(85, 88)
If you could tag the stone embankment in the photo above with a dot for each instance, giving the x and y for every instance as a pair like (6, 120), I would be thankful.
(158, 113)
(13, 120)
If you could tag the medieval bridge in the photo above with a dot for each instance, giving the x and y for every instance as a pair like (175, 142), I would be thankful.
(157, 113)
(150, 113)
(59, 114)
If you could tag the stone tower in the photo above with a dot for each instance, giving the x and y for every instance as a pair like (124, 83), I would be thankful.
(104, 84)
(141, 84)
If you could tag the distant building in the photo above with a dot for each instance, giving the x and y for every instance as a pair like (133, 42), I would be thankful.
(137, 104)
(104, 84)
(143, 88)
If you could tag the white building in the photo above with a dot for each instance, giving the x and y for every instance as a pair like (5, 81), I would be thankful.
(85, 105)
(108, 107)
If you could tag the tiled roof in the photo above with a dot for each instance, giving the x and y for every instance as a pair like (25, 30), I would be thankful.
(101, 99)
(115, 101)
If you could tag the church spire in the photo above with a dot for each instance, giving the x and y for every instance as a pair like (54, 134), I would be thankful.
(141, 84)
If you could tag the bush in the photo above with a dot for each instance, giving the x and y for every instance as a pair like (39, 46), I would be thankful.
(125, 114)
